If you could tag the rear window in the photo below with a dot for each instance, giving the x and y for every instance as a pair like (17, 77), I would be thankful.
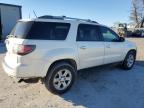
(21, 29)
(41, 30)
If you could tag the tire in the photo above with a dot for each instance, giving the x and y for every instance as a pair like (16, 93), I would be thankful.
(129, 60)
(60, 78)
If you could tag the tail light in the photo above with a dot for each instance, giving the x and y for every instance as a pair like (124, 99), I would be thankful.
(23, 49)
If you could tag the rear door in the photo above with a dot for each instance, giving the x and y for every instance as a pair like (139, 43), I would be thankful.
(113, 47)
(90, 46)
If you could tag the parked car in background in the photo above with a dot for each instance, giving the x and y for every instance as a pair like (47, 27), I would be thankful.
(55, 48)
(136, 32)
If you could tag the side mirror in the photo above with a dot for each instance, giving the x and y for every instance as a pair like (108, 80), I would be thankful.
(121, 39)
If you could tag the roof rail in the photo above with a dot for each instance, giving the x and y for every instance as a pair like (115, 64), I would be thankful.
(65, 18)
(87, 20)
(51, 17)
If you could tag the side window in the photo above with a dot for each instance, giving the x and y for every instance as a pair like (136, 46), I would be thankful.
(109, 35)
(59, 32)
(88, 33)
(49, 31)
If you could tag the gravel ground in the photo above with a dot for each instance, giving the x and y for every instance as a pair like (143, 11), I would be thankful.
(101, 87)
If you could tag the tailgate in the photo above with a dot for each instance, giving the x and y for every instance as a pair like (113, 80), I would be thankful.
(12, 59)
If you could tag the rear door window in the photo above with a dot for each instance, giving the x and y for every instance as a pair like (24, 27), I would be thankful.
(88, 32)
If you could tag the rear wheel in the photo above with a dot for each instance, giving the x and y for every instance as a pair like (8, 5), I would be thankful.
(129, 60)
(60, 78)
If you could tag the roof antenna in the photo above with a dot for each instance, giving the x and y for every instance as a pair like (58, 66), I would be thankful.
(29, 16)
(34, 13)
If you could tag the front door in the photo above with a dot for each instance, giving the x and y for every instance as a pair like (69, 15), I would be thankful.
(113, 47)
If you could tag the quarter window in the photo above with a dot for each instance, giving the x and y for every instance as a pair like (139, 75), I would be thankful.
(49, 31)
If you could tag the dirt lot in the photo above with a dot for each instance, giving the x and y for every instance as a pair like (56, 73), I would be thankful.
(101, 87)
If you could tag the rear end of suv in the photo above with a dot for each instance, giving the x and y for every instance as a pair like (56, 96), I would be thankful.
(28, 45)
(43, 48)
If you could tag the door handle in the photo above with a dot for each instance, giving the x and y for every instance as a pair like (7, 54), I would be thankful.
(108, 46)
(83, 47)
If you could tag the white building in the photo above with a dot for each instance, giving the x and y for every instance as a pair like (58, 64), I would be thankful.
(9, 14)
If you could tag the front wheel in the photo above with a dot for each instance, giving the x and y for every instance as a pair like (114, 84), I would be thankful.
(129, 61)
(60, 78)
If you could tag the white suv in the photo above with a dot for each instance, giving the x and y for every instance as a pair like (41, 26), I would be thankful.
(54, 48)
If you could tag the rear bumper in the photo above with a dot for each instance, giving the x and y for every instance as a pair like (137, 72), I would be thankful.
(32, 69)
(20, 71)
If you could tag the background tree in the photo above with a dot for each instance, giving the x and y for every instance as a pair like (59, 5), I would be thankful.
(137, 12)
